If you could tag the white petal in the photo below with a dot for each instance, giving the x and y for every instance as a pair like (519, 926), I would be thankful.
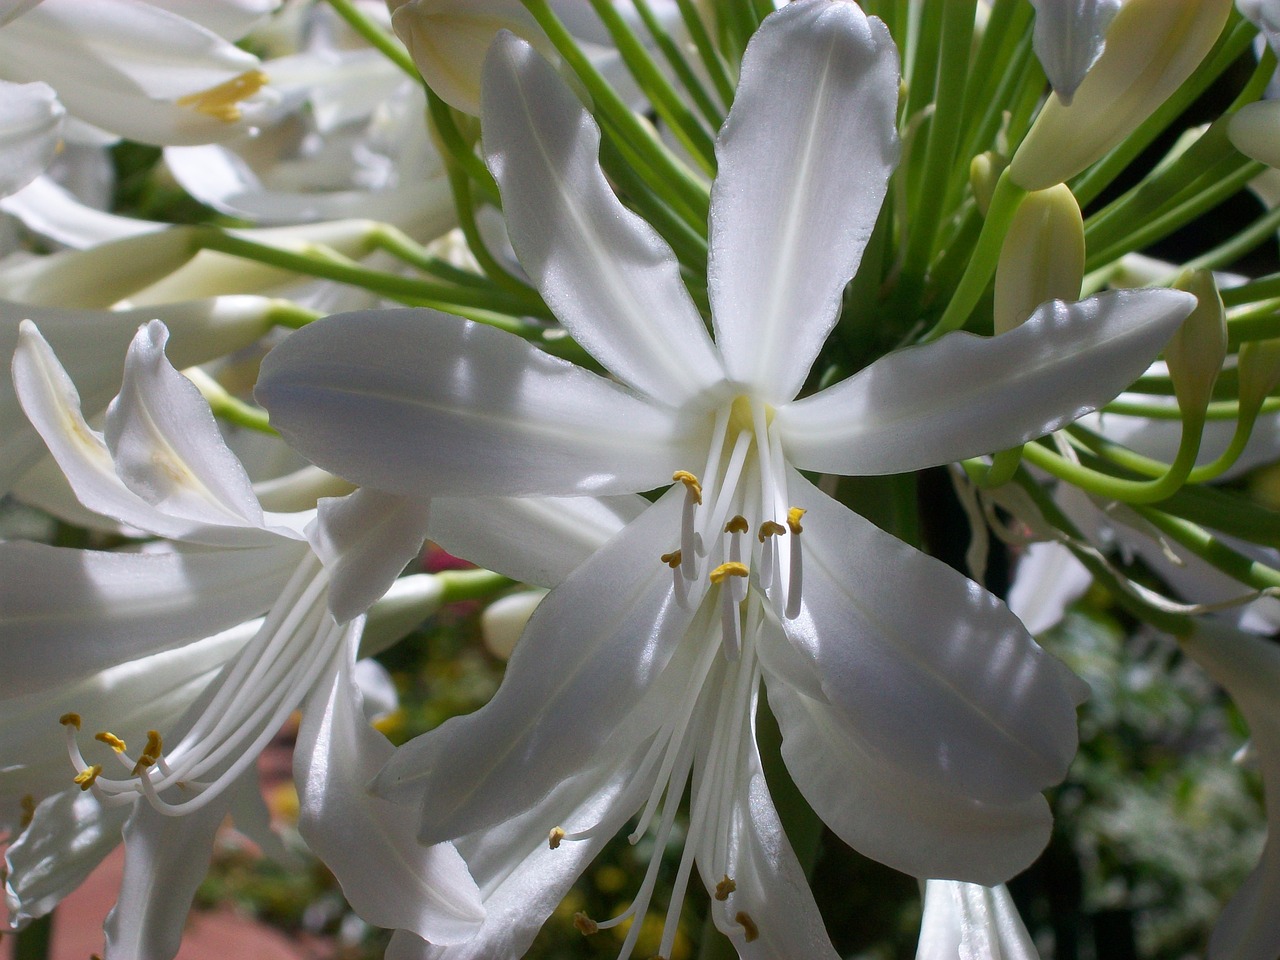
(606, 274)
(536, 540)
(68, 836)
(10, 9)
(30, 121)
(165, 443)
(804, 159)
(387, 876)
(1249, 668)
(49, 209)
(165, 859)
(881, 810)
(1048, 578)
(590, 653)
(1265, 15)
(963, 395)
(1069, 36)
(771, 888)
(965, 920)
(227, 18)
(1253, 130)
(365, 541)
(68, 613)
(954, 689)
(420, 403)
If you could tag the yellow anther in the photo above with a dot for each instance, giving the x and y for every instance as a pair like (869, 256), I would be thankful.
(691, 484)
(223, 101)
(793, 519)
(28, 811)
(70, 720)
(111, 740)
(671, 559)
(737, 525)
(752, 932)
(725, 887)
(584, 924)
(554, 837)
(730, 569)
(151, 753)
(770, 528)
(86, 777)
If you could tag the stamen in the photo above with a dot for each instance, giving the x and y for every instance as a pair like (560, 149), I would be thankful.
(86, 777)
(725, 887)
(736, 528)
(70, 720)
(150, 754)
(688, 535)
(725, 570)
(770, 528)
(672, 559)
(223, 101)
(111, 740)
(678, 582)
(737, 525)
(554, 837)
(797, 566)
(752, 932)
(584, 924)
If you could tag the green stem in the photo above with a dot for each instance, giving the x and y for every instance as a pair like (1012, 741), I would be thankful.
(229, 408)
(986, 254)
(286, 313)
(35, 940)
(460, 585)
(457, 149)
(377, 37)
(712, 61)
(697, 92)
(1123, 457)
(1209, 548)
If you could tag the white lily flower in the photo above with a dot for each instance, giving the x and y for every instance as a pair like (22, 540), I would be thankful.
(965, 921)
(161, 467)
(921, 733)
(1249, 668)
(1069, 38)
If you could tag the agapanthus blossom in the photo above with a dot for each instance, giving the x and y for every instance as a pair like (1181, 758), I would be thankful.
(919, 718)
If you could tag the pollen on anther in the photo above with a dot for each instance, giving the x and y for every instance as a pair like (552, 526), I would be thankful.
(725, 887)
(70, 720)
(672, 559)
(111, 740)
(737, 525)
(691, 483)
(584, 924)
(751, 931)
(730, 569)
(150, 754)
(793, 519)
(86, 777)
(770, 528)
(222, 102)
(554, 837)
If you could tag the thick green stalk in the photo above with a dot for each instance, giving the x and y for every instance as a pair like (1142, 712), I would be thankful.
(712, 61)
(692, 85)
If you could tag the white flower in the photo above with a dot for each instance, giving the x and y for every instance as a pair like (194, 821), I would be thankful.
(965, 921)
(919, 718)
(161, 467)
(1069, 37)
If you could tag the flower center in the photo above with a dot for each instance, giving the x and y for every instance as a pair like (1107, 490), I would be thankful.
(223, 101)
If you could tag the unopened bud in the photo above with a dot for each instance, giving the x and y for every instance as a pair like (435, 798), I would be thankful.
(1259, 369)
(504, 620)
(1152, 47)
(984, 171)
(1042, 257)
(1196, 352)
(448, 39)
(1255, 131)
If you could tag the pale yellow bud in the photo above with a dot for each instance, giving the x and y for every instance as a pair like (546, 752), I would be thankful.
(1259, 369)
(984, 171)
(1255, 131)
(1195, 354)
(504, 620)
(1042, 257)
(448, 40)
(1152, 47)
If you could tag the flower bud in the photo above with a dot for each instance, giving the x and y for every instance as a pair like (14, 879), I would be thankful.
(448, 40)
(1042, 257)
(1152, 46)
(1255, 131)
(1259, 369)
(984, 171)
(504, 620)
(401, 609)
(1195, 354)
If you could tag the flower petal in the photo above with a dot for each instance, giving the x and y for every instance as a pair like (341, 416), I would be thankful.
(963, 395)
(968, 920)
(1048, 578)
(424, 404)
(69, 613)
(804, 159)
(387, 876)
(910, 823)
(590, 653)
(954, 690)
(365, 541)
(1069, 36)
(30, 122)
(608, 276)
(536, 540)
